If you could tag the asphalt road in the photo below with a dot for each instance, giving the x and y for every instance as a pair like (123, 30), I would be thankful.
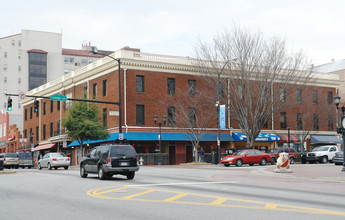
(171, 192)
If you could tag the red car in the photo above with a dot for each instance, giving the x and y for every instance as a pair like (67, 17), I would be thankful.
(250, 157)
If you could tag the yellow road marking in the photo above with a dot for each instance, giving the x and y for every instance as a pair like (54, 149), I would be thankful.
(218, 201)
(98, 193)
(138, 194)
(112, 190)
(171, 199)
(271, 206)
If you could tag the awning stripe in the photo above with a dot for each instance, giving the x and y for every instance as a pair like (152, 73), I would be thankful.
(284, 138)
(239, 136)
(153, 136)
(43, 147)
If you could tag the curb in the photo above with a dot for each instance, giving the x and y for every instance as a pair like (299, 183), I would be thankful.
(2, 172)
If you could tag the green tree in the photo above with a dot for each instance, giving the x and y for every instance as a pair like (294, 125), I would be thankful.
(84, 123)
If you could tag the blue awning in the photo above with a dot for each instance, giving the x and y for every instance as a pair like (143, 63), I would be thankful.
(239, 136)
(153, 136)
(325, 139)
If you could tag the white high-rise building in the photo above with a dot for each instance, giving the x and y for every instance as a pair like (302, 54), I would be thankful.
(32, 58)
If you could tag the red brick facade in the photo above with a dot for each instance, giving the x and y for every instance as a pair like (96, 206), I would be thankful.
(155, 89)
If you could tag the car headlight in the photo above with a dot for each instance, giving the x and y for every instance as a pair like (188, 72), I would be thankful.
(227, 158)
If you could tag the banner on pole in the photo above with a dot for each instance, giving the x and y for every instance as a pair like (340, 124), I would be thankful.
(222, 117)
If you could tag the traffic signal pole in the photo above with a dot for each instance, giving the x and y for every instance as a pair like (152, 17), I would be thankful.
(79, 100)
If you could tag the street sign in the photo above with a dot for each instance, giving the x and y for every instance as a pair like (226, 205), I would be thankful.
(23, 140)
(112, 113)
(121, 136)
(58, 97)
(22, 95)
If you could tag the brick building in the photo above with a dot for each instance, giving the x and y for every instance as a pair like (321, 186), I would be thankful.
(148, 78)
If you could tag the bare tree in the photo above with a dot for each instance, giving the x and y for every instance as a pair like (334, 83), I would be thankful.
(191, 112)
(260, 80)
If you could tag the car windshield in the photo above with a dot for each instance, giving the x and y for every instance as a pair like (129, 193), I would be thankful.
(123, 150)
(241, 152)
(320, 149)
(273, 151)
(14, 155)
(58, 155)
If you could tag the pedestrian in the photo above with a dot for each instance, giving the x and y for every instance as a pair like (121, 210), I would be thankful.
(201, 155)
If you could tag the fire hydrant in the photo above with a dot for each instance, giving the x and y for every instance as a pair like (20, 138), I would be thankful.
(141, 161)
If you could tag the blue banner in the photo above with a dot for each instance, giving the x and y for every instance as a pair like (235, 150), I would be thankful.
(222, 117)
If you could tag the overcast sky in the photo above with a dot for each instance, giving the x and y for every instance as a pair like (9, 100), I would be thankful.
(172, 27)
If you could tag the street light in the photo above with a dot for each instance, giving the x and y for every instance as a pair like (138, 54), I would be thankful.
(95, 51)
(218, 108)
(155, 118)
(341, 127)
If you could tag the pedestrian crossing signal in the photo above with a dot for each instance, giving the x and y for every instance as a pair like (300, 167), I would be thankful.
(9, 104)
(36, 105)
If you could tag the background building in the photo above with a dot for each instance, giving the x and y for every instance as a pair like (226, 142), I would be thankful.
(32, 58)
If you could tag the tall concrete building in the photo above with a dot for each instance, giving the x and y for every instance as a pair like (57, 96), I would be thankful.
(32, 58)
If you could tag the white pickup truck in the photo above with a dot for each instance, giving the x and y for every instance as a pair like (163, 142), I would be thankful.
(322, 154)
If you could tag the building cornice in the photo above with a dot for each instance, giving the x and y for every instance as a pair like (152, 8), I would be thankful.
(140, 61)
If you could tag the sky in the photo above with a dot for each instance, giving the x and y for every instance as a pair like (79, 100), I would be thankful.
(173, 27)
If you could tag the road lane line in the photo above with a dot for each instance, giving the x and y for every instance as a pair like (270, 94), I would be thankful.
(139, 194)
(173, 198)
(172, 184)
(112, 190)
(271, 206)
(218, 201)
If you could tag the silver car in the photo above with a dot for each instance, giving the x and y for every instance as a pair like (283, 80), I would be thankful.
(10, 160)
(55, 160)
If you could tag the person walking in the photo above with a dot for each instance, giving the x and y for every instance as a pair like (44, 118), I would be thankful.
(201, 155)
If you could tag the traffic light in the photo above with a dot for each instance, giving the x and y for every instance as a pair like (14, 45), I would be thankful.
(36, 105)
(9, 104)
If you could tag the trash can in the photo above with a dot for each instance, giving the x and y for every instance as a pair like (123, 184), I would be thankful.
(1, 164)
(214, 157)
(304, 158)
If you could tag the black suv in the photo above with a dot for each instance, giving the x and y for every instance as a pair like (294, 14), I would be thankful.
(109, 160)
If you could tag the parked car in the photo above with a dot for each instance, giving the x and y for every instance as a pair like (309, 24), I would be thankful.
(322, 154)
(338, 159)
(10, 160)
(109, 160)
(25, 160)
(275, 154)
(55, 160)
(250, 157)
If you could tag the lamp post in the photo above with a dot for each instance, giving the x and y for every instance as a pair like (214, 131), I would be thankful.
(95, 51)
(341, 127)
(218, 108)
(155, 118)
(31, 141)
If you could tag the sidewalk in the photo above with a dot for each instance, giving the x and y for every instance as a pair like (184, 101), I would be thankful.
(323, 172)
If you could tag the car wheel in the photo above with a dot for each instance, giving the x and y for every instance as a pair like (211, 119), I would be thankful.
(273, 161)
(324, 160)
(49, 166)
(83, 174)
(39, 166)
(101, 174)
(66, 168)
(226, 165)
(263, 162)
(251, 164)
(130, 175)
(292, 160)
(239, 163)
(29, 167)
(55, 168)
